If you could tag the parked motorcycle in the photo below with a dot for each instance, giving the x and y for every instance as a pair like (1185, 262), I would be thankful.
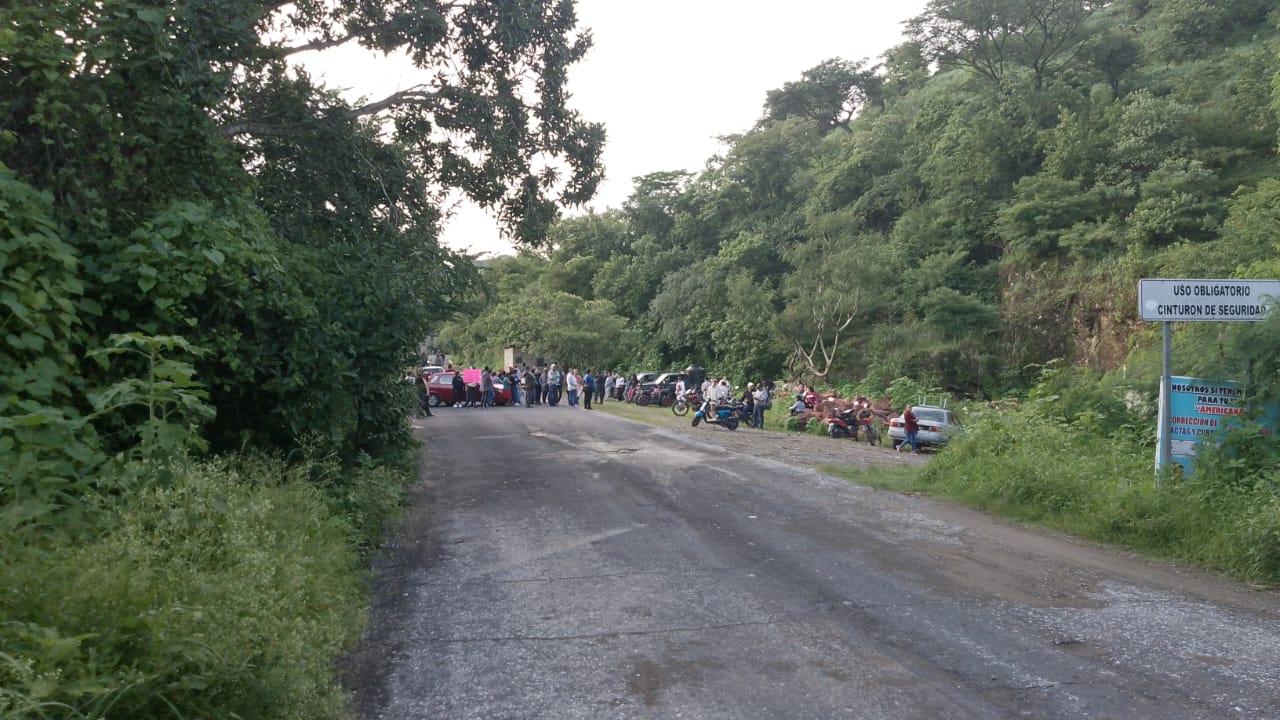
(867, 420)
(843, 423)
(857, 420)
(690, 400)
(657, 396)
(726, 415)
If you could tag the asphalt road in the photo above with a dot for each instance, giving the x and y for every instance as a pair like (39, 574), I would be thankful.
(558, 563)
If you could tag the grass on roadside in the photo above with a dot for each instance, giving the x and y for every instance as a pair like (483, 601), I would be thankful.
(1051, 474)
(896, 478)
(215, 588)
(651, 415)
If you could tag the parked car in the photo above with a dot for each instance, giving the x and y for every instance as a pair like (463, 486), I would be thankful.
(643, 377)
(440, 391)
(647, 376)
(937, 425)
(663, 387)
(668, 380)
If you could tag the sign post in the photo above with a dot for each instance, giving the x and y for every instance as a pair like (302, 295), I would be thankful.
(1182, 300)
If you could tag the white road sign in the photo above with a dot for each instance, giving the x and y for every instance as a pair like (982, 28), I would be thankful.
(1206, 300)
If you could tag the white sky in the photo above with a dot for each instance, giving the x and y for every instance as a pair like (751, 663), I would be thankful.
(667, 77)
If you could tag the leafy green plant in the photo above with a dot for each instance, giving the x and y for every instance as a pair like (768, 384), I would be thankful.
(49, 448)
(174, 403)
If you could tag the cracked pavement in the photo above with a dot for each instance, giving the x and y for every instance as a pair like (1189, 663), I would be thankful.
(559, 563)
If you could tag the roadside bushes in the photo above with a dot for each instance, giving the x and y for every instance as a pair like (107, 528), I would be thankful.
(215, 589)
(1036, 467)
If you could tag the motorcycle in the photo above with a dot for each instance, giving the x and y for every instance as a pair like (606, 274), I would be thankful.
(843, 423)
(867, 419)
(657, 396)
(726, 415)
(685, 403)
(857, 420)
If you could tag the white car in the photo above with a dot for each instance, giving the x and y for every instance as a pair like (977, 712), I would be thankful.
(937, 425)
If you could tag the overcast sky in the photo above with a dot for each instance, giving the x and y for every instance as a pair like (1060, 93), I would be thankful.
(667, 77)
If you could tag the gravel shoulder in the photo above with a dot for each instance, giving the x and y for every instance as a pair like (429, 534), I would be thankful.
(1008, 560)
(791, 448)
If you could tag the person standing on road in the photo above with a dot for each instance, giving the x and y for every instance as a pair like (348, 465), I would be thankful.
(473, 388)
(424, 397)
(459, 389)
(610, 385)
(762, 403)
(748, 401)
(588, 389)
(554, 379)
(486, 388)
(911, 428)
(572, 384)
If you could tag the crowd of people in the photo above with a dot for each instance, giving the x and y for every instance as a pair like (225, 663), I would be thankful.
(529, 386)
(550, 385)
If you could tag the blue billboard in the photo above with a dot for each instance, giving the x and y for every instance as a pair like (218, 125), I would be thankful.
(1198, 409)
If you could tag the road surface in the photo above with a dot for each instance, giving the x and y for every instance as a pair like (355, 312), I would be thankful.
(558, 563)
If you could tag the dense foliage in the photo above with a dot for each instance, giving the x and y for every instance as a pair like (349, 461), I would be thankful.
(203, 250)
(975, 203)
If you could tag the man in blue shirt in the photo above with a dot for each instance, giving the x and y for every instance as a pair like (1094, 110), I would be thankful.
(588, 389)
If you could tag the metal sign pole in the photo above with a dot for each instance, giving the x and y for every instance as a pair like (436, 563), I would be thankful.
(1165, 450)
(1168, 300)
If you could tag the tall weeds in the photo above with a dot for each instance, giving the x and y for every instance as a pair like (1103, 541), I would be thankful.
(217, 589)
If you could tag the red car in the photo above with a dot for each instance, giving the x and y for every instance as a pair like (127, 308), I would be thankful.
(440, 390)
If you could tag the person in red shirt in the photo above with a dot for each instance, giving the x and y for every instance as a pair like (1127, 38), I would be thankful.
(911, 428)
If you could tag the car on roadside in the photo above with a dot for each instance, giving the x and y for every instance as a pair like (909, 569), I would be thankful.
(663, 387)
(937, 426)
(642, 377)
(440, 391)
(647, 376)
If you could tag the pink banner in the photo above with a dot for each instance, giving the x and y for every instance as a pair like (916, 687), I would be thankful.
(471, 375)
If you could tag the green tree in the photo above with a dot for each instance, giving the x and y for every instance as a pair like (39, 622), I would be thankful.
(838, 280)
(830, 94)
(1114, 55)
(989, 37)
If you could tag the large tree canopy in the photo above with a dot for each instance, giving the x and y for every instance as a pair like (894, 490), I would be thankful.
(205, 186)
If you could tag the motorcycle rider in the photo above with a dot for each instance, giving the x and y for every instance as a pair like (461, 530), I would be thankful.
(721, 394)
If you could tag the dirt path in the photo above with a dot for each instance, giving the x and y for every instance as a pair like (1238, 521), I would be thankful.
(798, 449)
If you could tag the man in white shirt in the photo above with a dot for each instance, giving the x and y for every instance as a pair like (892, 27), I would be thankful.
(723, 391)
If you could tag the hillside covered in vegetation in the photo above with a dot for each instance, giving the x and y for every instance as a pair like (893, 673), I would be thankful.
(978, 201)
